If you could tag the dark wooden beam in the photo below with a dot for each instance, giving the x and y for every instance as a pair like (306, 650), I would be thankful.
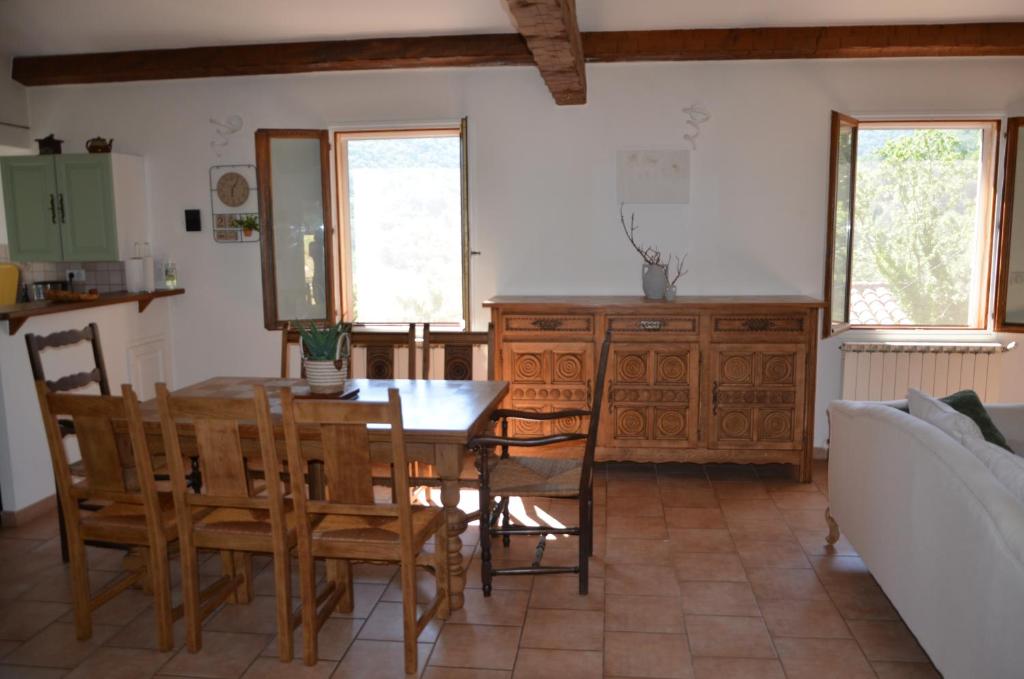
(829, 42)
(298, 57)
(823, 42)
(552, 34)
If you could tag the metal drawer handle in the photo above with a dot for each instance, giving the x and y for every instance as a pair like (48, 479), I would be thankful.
(652, 325)
(548, 323)
(758, 324)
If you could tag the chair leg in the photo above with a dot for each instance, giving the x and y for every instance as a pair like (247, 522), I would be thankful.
(190, 597)
(80, 589)
(506, 540)
(161, 578)
(584, 545)
(229, 567)
(283, 604)
(409, 636)
(590, 526)
(243, 568)
(441, 572)
(485, 538)
(339, 571)
(307, 594)
(63, 533)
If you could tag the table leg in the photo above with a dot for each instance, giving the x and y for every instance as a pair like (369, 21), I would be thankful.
(449, 464)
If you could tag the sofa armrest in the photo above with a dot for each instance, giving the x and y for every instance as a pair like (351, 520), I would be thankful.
(1009, 418)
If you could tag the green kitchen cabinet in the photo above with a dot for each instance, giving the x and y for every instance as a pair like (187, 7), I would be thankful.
(73, 207)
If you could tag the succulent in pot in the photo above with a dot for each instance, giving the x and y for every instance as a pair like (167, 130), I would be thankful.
(325, 353)
(247, 224)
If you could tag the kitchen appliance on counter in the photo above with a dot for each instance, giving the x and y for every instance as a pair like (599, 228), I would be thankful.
(37, 290)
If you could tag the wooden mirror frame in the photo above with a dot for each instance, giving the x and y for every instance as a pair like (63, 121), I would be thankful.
(1013, 129)
(266, 197)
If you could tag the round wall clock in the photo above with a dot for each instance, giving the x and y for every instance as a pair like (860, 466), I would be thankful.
(232, 189)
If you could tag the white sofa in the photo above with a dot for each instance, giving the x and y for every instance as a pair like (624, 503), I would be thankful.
(942, 536)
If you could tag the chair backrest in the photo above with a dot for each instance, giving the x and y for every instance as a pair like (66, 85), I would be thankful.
(90, 333)
(458, 352)
(586, 477)
(342, 445)
(211, 429)
(105, 427)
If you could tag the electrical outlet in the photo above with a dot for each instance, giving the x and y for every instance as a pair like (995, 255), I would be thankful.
(78, 275)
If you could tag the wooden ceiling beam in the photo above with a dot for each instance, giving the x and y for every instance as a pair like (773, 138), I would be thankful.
(821, 42)
(298, 57)
(830, 42)
(553, 36)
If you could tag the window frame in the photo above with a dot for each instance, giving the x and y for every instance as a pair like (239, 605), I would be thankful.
(1014, 125)
(988, 183)
(268, 262)
(340, 138)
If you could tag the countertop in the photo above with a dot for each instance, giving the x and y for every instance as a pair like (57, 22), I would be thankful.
(17, 314)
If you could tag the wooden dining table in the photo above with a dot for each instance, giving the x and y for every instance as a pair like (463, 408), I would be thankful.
(440, 418)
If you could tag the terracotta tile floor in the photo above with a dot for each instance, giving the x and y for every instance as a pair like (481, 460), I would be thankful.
(713, 572)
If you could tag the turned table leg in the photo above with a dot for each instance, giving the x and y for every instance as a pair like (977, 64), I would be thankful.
(449, 464)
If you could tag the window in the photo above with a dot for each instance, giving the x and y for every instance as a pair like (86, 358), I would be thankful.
(910, 223)
(401, 204)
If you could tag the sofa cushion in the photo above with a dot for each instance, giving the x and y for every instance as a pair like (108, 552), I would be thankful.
(933, 411)
(967, 402)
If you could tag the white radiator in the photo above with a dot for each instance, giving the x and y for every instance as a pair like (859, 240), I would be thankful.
(884, 371)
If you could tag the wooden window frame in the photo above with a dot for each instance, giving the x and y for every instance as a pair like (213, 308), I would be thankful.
(267, 259)
(344, 245)
(988, 183)
(1013, 133)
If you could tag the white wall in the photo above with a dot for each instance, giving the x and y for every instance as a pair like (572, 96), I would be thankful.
(542, 177)
(13, 108)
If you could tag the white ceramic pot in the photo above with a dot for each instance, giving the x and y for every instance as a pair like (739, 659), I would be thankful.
(324, 377)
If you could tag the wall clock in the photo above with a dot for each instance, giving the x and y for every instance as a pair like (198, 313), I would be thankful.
(235, 204)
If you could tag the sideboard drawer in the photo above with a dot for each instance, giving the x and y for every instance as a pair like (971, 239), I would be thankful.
(654, 326)
(759, 327)
(548, 324)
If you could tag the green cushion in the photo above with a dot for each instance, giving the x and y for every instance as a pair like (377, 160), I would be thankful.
(967, 403)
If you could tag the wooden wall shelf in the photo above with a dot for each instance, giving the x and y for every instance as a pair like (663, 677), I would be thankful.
(17, 314)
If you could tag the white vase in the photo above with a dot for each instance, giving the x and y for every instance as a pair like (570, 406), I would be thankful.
(325, 377)
(655, 279)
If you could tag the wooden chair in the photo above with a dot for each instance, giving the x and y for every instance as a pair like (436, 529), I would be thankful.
(241, 518)
(123, 515)
(97, 375)
(517, 476)
(458, 352)
(347, 525)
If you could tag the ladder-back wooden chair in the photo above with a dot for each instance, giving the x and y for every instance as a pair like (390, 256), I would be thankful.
(242, 517)
(347, 525)
(114, 512)
(96, 376)
(509, 476)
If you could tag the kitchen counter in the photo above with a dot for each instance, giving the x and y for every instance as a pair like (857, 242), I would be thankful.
(17, 314)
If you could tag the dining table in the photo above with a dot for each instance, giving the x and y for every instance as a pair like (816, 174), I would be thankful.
(440, 418)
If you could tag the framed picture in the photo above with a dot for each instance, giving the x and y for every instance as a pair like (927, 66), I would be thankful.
(234, 202)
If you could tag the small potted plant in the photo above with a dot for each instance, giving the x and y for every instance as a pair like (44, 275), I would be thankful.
(325, 353)
(247, 224)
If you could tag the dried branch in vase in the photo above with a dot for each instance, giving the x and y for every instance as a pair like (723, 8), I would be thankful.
(680, 271)
(651, 254)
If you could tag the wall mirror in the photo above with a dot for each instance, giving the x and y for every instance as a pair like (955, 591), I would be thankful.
(297, 234)
(1009, 315)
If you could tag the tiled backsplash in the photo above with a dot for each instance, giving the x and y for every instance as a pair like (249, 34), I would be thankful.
(103, 276)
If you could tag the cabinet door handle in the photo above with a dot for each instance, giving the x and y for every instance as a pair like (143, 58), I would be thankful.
(547, 323)
(714, 398)
(53, 210)
(60, 202)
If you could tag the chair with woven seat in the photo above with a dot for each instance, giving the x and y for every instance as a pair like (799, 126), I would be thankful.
(508, 476)
(102, 506)
(347, 525)
(240, 516)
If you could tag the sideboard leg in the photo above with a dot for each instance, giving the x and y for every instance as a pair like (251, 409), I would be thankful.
(833, 527)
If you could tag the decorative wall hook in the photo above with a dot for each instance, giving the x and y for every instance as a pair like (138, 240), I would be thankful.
(696, 115)
(224, 129)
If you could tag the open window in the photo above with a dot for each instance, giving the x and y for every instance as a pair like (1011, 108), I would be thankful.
(1009, 311)
(911, 214)
(293, 170)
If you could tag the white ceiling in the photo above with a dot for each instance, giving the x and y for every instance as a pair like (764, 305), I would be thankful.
(29, 27)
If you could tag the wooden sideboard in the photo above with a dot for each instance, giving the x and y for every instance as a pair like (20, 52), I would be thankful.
(699, 379)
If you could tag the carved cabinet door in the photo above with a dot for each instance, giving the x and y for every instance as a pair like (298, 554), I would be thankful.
(652, 395)
(756, 396)
(548, 376)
